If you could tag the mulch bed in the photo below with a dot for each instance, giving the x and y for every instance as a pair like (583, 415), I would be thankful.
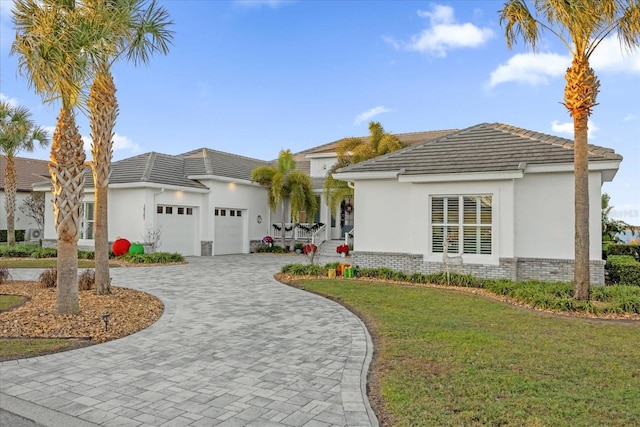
(129, 311)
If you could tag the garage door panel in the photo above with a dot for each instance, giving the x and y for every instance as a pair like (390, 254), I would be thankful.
(229, 231)
(177, 230)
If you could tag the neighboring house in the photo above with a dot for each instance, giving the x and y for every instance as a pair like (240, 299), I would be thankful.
(500, 195)
(29, 171)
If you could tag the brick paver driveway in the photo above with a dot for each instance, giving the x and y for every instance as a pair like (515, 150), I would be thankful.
(233, 348)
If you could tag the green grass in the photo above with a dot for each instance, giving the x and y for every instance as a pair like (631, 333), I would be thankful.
(43, 263)
(8, 301)
(18, 348)
(451, 358)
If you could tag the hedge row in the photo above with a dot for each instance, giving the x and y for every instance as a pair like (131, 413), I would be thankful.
(543, 295)
(623, 270)
(621, 249)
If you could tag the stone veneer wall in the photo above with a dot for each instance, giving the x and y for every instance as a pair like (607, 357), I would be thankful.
(517, 269)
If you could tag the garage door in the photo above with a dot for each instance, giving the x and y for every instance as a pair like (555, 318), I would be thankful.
(229, 231)
(177, 226)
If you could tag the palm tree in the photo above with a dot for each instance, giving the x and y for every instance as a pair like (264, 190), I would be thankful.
(581, 25)
(286, 183)
(354, 150)
(49, 44)
(17, 133)
(123, 28)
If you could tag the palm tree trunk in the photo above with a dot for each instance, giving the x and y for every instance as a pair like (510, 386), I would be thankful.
(581, 175)
(10, 199)
(104, 110)
(67, 179)
(580, 95)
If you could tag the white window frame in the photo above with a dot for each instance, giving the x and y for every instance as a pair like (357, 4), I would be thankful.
(459, 224)
(87, 224)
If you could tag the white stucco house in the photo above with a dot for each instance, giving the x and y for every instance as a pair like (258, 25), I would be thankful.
(29, 172)
(502, 196)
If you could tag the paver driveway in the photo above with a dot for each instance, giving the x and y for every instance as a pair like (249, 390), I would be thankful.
(233, 348)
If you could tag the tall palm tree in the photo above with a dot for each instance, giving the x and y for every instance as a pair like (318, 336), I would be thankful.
(286, 183)
(49, 45)
(17, 133)
(124, 28)
(354, 150)
(581, 25)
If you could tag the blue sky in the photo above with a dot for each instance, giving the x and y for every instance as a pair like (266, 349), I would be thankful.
(253, 77)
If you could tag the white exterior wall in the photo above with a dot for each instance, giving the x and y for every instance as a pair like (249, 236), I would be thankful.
(22, 222)
(319, 166)
(395, 217)
(544, 213)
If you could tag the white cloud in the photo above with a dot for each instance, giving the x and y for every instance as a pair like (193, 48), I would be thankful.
(567, 128)
(11, 101)
(363, 117)
(530, 68)
(444, 33)
(611, 56)
(534, 69)
(629, 117)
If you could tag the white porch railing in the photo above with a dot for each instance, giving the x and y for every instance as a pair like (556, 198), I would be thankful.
(319, 236)
(302, 231)
(348, 237)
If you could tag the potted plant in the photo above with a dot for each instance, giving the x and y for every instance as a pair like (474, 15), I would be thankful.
(267, 240)
(343, 250)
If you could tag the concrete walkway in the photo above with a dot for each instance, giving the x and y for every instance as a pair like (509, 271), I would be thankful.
(233, 348)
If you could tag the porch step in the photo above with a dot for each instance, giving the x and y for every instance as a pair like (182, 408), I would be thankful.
(327, 251)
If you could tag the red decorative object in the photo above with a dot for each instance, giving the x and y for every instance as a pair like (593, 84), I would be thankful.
(120, 247)
(343, 249)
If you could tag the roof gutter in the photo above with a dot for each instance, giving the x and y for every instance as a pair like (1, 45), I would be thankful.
(356, 176)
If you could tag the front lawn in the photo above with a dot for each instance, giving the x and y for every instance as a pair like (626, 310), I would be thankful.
(446, 357)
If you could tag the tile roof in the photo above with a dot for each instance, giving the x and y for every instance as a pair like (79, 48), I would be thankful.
(205, 161)
(28, 171)
(154, 168)
(408, 138)
(487, 147)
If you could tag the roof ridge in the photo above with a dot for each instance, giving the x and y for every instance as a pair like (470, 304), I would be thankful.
(206, 150)
(553, 140)
(148, 167)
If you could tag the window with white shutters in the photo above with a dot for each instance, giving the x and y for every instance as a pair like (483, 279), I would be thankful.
(466, 222)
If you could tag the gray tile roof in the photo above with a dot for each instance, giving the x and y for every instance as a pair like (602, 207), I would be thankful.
(154, 168)
(205, 161)
(28, 172)
(487, 147)
(407, 138)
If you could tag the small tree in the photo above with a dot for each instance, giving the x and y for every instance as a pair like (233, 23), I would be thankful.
(33, 207)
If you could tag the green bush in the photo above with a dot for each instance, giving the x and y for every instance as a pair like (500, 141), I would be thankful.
(621, 249)
(623, 270)
(275, 249)
(154, 258)
(44, 253)
(304, 270)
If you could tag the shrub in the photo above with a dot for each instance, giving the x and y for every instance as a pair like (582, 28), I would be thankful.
(88, 254)
(620, 249)
(623, 269)
(44, 253)
(154, 258)
(86, 280)
(48, 278)
(4, 274)
(262, 248)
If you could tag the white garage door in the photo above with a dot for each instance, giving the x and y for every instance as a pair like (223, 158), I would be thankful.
(229, 231)
(177, 226)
